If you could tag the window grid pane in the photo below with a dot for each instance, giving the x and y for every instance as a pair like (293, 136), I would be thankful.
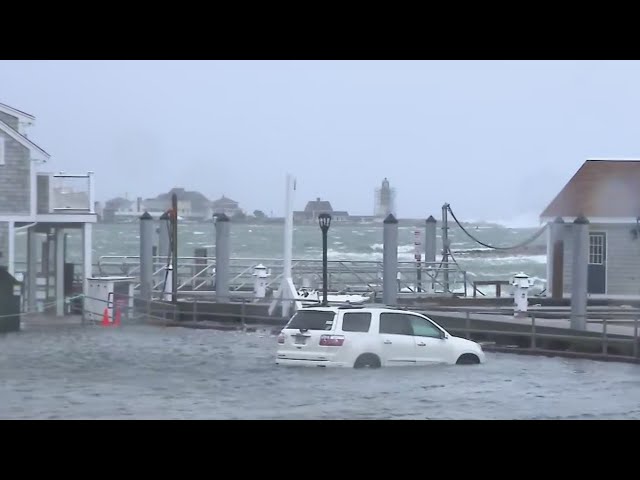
(596, 249)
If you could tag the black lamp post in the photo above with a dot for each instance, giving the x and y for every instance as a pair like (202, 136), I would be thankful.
(324, 220)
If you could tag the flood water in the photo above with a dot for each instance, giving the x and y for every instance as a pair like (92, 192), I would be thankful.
(144, 372)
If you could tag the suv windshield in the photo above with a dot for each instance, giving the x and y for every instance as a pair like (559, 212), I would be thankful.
(312, 320)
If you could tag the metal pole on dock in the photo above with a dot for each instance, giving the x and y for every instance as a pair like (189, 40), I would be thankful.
(390, 260)
(417, 244)
(287, 294)
(146, 256)
(223, 255)
(164, 234)
(445, 247)
(579, 273)
(430, 245)
(324, 220)
(174, 244)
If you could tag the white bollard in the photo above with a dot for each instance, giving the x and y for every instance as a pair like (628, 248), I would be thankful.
(521, 283)
(260, 283)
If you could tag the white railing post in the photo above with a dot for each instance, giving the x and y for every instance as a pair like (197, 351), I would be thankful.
(91, 192)
(51, 199)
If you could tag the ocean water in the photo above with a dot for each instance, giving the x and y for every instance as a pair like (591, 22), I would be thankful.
(143, 372)
(345, 242)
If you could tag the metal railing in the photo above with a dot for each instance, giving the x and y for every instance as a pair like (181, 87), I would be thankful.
(198, 274)
(604, 337)
(597, 344)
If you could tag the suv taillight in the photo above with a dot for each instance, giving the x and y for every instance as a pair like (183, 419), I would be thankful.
(331, 340)
(281, 338)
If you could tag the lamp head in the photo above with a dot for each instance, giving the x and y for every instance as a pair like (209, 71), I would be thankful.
(324, 220)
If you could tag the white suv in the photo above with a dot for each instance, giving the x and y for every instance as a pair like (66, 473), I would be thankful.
(369, 337)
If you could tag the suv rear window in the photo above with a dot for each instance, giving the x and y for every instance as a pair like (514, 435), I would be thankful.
(356, 322)
(312, 320)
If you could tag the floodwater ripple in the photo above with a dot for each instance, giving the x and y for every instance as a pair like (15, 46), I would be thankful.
(141, 372)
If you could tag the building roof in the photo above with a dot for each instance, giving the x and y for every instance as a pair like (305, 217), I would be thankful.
(15, 112)
(318, 205)
(37, 152)
(600, 188)
(224, 201)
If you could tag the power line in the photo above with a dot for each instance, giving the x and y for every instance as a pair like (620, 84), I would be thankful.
(522, 244)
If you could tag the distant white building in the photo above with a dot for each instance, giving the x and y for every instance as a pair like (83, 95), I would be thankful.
(385, 197)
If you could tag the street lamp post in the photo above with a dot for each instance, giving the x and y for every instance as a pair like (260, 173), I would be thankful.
(324, 220)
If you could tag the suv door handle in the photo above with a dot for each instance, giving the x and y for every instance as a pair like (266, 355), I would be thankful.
(388, 342)
(422, 344)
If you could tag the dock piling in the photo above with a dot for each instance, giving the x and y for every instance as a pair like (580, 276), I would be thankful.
(580, 249)
(146, 256)
(390, 260)
(223, 255)
(635, 337)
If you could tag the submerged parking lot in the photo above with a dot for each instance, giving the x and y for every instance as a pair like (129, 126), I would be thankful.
(151, 372)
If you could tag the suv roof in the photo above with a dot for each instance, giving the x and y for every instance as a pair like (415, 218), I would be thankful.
(336, 308)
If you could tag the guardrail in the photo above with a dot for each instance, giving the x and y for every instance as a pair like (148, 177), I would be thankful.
(606, 345)
(198, 274)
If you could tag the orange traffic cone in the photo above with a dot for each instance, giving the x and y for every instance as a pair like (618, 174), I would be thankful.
(116, 321)
(105, 318)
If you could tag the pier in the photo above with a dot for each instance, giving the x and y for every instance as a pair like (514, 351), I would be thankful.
(210, 289)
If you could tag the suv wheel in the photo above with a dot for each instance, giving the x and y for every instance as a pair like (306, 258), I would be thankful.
(367, 360)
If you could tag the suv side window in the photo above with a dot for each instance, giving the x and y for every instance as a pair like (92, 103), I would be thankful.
(395, 324)
(422, 327)
(356, 321)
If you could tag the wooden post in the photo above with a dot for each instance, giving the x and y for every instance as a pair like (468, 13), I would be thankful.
(467, 323)
(557, 258)
(635, 337)
(533, 331)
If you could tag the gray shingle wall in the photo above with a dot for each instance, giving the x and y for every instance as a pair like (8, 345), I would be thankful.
(15, 185)
(42, 185)
(9, 120)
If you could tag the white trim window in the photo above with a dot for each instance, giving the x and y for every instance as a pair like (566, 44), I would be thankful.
(596, 249)
(2, 150)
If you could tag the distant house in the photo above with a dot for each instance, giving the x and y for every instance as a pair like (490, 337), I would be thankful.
(119, 204)
(225, 205)
(45, 205)
(315, 208)
(191, 204)
(607, 193)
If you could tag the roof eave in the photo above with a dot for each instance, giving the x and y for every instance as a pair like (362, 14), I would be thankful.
(37, 153)
(17, 113)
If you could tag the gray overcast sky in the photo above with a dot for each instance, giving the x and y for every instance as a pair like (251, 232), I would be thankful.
(496, 139)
